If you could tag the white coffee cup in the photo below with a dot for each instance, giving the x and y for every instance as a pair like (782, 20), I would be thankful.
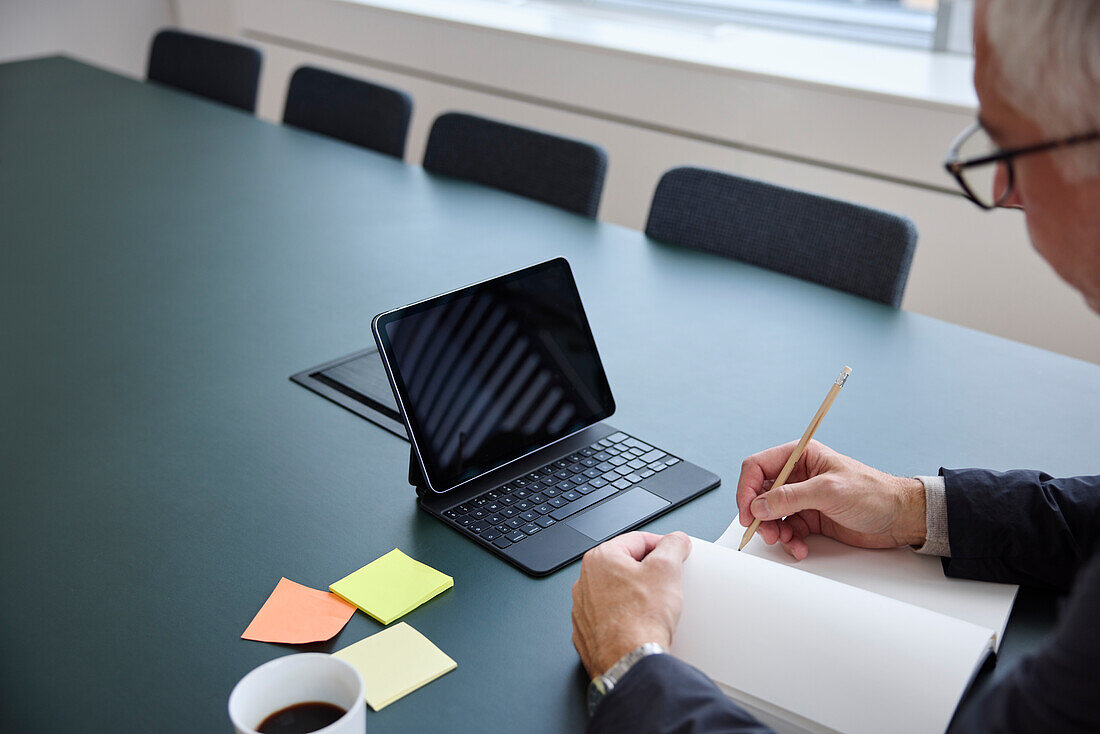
(301, 678)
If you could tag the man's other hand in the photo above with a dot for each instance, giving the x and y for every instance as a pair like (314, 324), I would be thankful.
(628, 594)
(831, 494)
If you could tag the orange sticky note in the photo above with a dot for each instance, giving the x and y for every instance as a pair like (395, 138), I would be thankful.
(295, 614)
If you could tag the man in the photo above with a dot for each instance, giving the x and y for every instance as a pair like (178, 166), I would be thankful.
(1037, 74)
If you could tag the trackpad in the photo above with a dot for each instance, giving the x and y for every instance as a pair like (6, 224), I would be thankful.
(617, 514)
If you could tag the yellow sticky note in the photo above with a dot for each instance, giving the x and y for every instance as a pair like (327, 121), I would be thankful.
(391, 586)
(395, 662)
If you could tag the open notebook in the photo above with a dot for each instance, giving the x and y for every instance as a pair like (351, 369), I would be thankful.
(806, 653)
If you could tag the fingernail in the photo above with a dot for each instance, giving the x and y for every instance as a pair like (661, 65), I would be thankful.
(760, 509)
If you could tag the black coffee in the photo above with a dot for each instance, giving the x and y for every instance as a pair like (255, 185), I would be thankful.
(301, 718)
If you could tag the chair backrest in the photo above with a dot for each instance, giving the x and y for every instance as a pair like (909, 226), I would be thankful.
(554, 170)
(219, 70)
(835, 243)
(352, 110)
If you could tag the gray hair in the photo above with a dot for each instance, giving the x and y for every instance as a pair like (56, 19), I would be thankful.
(1048, 52)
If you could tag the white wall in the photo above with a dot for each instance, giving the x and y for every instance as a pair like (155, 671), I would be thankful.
(114, 34)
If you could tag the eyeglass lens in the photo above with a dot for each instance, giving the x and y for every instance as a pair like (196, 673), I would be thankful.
(987, 182)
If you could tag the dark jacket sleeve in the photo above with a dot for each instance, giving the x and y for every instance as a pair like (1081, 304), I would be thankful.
(1020, 527)
(664, 695)
(1054, 690)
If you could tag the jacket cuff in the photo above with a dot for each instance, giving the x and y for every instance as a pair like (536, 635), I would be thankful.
(935, 516)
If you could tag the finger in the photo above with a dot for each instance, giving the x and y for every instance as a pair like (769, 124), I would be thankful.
(799, 526)
(769, 532)
(785, 532)
(755, 471)
(674, 548)
(812, 494)
(637, 544)
(797, 548)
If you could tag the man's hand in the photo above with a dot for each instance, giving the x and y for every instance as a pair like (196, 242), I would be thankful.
(831, 494)
(628, 594)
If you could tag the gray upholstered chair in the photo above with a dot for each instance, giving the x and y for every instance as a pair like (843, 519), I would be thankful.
(218, 70)
(559, 171)
(352, 110)
(846, 246)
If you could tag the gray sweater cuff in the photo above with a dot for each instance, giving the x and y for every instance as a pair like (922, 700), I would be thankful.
(935, 515)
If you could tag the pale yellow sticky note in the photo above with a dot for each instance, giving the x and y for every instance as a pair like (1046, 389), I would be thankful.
(395, 662)
(391, 586)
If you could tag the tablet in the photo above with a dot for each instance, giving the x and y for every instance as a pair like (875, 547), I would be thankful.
(492, 372)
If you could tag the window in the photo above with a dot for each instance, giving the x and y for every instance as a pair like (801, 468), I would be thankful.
(941, 25)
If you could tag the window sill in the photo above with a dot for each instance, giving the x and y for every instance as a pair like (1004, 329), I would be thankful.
(913, 76)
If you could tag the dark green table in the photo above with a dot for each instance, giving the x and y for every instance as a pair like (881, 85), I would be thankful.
(168, 263)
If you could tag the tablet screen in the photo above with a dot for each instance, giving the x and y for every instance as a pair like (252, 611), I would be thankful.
(494, 371)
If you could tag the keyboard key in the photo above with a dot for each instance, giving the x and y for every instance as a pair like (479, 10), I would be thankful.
(479, 514)
(578, 480)
(493, 507)
(601, 456)
(515, 536)
(586, 452)
(545, 522)
(653, 456)
(515, 522)
(642, 445)
(506, 500)
(597, 483)
(610, 476)
(493, 494)
(570, 495)
(490, 534)
(633, 478)
(658, 466)
(521, 493)
(544, 509)
(592, 473)
(465, 521)
(550, 480)
(531, 528)
(509, 512)
(463, 509)
(584, 502)
(604, 442)
(577, 468)
(563, 474)
(479, 502)
(605, 466)
(502, 543)
(671, 460)
(520, 483)
(624, 470)
(612, 451)
(557, 502)
(617, 461)
(494, 519)
(646, 473)
(530, 516)
(636, 464)
(504, 529)
(554, 491)
(562, 464)
(537, 499)
(587, 488)
(623, 483)
(451, 514)
(523, 505)
(617, 437)
(479, 527)
(533, 477)
(573, 458)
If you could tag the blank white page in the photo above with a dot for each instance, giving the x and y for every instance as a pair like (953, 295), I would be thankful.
(898, 573)
(830, 653)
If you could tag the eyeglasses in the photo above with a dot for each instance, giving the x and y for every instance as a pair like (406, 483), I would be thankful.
(974, 159)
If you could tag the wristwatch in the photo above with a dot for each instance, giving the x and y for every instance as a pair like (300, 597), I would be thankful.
(601, 685)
